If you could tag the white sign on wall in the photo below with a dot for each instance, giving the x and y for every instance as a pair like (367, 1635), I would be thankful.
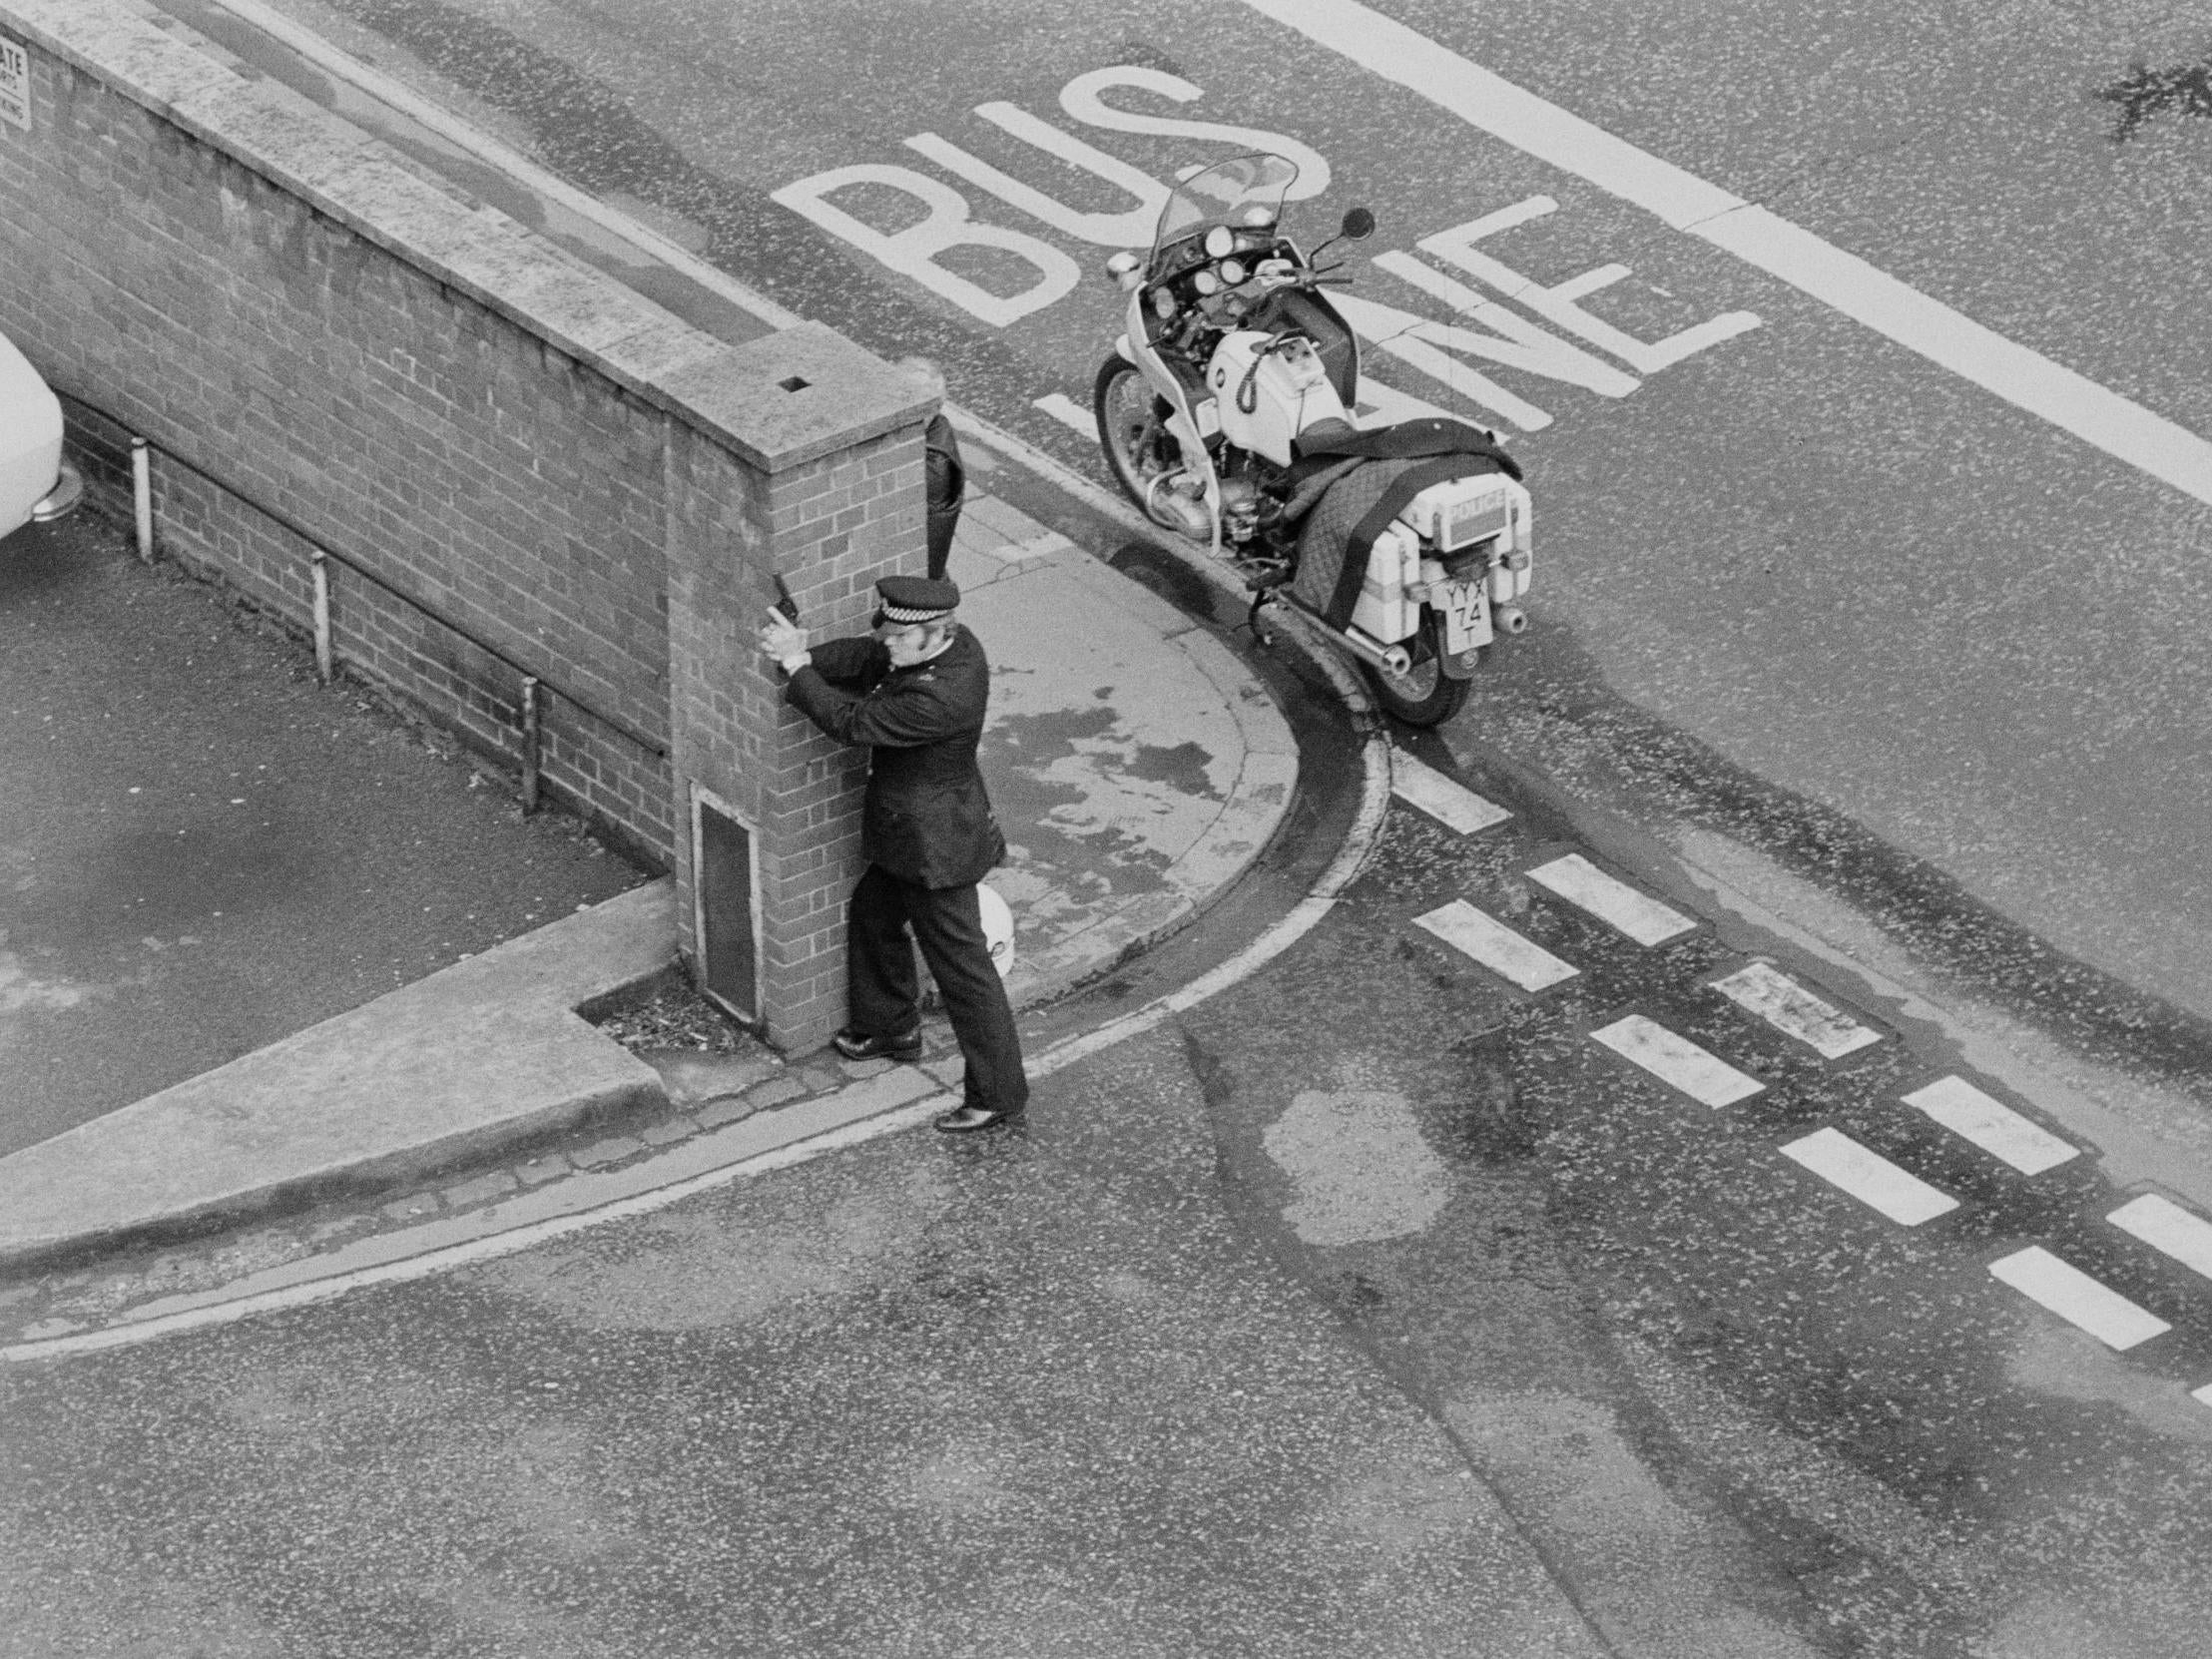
(15, 83)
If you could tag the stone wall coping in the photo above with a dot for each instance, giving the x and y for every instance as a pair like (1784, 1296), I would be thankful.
(776, 403)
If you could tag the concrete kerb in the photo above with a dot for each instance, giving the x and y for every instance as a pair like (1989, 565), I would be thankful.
(1268, 770)
(480, 1057)
(527, 1035)
(802, 1112)
(879, 1103)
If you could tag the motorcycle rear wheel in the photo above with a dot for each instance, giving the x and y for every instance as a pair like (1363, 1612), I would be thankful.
(1133, 432)
(1424, 694)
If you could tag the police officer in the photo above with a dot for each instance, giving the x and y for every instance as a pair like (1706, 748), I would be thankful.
(913, 692)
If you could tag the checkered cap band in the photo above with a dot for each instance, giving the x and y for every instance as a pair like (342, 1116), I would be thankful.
(907, 615)
(907, 600)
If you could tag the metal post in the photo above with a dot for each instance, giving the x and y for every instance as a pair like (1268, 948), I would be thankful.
(141, 496)
(530, 737)
(321, 614)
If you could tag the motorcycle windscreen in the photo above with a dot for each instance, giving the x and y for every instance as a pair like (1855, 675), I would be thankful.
(1243, 193)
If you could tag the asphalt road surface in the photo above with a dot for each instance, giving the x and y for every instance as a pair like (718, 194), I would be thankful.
(1920, 546)
(1822, 1275)
(1523, 1263)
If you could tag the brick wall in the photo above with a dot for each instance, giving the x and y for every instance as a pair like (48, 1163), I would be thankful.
(841, 521)
(523, 467)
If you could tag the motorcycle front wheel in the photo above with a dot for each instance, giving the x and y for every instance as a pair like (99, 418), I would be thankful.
(1424, 694)
(1133, 431)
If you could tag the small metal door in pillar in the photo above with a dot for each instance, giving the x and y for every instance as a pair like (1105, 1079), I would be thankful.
(726, 890)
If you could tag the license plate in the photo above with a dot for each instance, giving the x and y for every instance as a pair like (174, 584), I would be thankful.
(1466, 608)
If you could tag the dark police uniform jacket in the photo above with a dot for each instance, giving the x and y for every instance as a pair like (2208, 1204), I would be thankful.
(927, 819)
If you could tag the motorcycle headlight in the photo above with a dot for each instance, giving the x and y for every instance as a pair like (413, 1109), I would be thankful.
(1221, 241)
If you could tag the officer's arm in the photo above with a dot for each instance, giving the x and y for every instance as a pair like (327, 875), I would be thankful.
(917, 712)
(856, 660)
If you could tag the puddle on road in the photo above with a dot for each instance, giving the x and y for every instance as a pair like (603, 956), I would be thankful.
(1360, 1167)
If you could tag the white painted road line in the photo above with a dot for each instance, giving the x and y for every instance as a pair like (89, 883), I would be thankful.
(1617, 903)
(1495, 945)
(1870, 1177)
(1063, 409)
(1677, 1061)
(2077, 1298)
(1952, 341)
(2203, 1395)
(1790, 1008)
(1454, 804)
(1992, 1125)
(2165, 1224)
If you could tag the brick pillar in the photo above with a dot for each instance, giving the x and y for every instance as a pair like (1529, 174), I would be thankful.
(823, 482)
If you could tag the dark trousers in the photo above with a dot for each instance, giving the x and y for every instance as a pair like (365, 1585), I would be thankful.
(885, 993)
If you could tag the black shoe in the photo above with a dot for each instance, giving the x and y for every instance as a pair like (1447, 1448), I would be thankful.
(856, 1044)
(968, 1118)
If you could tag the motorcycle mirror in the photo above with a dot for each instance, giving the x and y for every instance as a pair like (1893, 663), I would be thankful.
(1359, 224)
(1123, 267)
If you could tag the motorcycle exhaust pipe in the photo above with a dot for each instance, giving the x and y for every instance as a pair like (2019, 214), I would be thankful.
(1392, 660)
(1509, 619)
(1167, 506)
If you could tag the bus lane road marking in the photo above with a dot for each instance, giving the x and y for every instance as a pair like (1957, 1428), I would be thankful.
(1497, 946)
(2165, 1225)
(1677, 1061)
(1623, 909)
(1765, 990)
(1870, 1177)
(1445, 800)
(2077, 1298)
(1792, 254)
(1992, 1125)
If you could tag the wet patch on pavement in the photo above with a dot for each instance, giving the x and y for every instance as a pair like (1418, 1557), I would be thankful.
(1359, 1164)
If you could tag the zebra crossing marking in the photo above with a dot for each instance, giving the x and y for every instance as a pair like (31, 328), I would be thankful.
(1992, 1125)
(1677, 1061)
(2165, 1225)
(1454, 804)
(1765, 990)
(1621, 907)
(2077, 1298)
(1869, 1177)
(1495, 945)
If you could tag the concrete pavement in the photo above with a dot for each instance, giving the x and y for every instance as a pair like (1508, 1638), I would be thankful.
(1138, 769)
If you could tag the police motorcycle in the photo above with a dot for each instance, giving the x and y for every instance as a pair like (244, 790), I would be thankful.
(1225, 413)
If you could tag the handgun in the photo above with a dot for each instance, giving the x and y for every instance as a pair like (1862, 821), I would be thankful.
(784, 600)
